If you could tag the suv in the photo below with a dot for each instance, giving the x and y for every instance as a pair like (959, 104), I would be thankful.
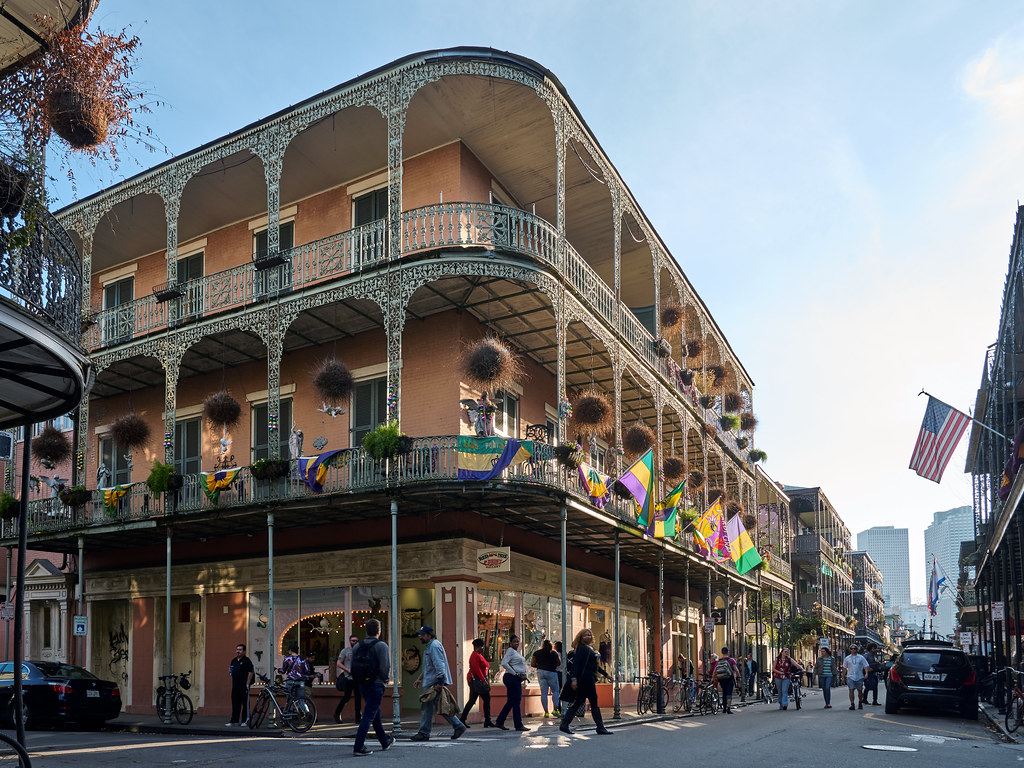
(932, 673)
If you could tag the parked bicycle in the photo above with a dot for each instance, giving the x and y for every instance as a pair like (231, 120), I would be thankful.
(9, 749)
(298, 713)
(1015, 705)
(708, 700)
(766, 688)
(171, 696)
(685, 695)
(647, 698)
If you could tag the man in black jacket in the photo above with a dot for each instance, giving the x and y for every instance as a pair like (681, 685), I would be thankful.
(373, 691)
(242, 676)
(750, 669)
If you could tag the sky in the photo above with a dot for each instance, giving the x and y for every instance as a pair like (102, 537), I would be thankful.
(838, 180)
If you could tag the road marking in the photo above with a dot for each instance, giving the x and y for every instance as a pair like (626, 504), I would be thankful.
(152, 745)
(887, 748)
(873, 716)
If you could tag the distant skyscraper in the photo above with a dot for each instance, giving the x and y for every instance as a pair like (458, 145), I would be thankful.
(943, 538)
(890, 549)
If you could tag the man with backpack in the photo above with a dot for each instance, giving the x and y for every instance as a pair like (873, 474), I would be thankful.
(725, 672)
(371, 668)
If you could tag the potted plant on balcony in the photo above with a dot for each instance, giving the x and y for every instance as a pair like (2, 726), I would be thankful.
(671, 316)
(162, 478)
(51, 447)
(663, 348)
(75, 497)
(593, 414)
(756, 456)
(694, 348)
(686, 377)
(695, 479)
(9, 507)
(729, 422)
(732, 401)
(742, 443)
(706, 401)
(333, 382)
(748, 422)
(386, 442)
(270, 469)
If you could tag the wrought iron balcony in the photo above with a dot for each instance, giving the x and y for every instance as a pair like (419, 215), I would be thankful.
(810, 546)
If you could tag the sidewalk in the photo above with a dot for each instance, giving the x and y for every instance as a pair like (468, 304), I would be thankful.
(998, 721)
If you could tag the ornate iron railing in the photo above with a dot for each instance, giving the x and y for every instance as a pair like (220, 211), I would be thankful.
(41, 272)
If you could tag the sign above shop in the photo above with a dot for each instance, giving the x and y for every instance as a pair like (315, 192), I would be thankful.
(493, 559)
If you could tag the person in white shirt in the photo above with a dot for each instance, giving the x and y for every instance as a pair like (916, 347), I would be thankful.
(855, 665)
(515, 673)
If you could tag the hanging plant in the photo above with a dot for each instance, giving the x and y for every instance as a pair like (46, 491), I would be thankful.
(75, 497)
(706, 401)
(709, 430)
(714, 494)
(733, 508)
(637, 439)
(671, 316)
(270, 469)
(14, 184)
(757, 455)
(593, 411)
(742, 443)
(333, 382)
(695, 479)
(570, 455)
(130, 431)
(662, 348)
(162, 477)
(748, 421)
(52, 446)
(749, 521)
(222, 410)
(729, 422)
(694, 347)
(386, 442)
(9, 507)
(732, 401)
(674, 469)
(489, 365)
(686, 377)
(717, 375)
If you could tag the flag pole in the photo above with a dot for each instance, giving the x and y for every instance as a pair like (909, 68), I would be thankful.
(981, 424)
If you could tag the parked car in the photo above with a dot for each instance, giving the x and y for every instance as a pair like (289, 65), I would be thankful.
(59, 693)
(932, 674)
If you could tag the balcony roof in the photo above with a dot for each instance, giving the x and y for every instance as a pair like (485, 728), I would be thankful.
(20, 33)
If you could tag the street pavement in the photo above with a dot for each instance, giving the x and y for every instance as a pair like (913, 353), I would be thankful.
(757, 734)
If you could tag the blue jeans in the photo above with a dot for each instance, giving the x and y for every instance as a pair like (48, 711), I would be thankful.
(513, 700)
(826, 687)
(783, 685)
(427, 717)
(547, 678)
(372, 697)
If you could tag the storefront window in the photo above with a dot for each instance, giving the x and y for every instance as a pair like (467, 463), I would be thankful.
(631, 650)
(495, 622)
(542, 620)
(601, 622)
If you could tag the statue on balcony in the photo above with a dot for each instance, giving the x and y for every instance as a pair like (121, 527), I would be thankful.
(481, 414)
(224, 442)
(295, 443)
(103, 476)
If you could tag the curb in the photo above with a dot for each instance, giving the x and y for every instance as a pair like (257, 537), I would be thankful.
(997, 722)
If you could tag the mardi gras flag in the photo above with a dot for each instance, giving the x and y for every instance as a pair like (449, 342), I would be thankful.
(215, 482)
(741, 546)
(595, 485)
(111, 496)
(313, 469)
(639, 481)
(663, 522)
(709, 534)
(484, 458)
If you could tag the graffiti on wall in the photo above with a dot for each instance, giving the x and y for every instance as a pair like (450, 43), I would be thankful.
(119, 654)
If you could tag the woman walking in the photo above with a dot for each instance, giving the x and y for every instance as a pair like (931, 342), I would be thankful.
(583, 681)
(783, 671)
(546, 661)
(515, 673)
(479, 685)
(825, 670)
(725, 672)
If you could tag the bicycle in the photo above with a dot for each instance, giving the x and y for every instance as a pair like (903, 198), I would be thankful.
(13, 749)
(708, 699)
(686, 695)
(1015, 707)
(796, 693)
(767, 689)
(647, 698)
(298, 713)
(170, 694)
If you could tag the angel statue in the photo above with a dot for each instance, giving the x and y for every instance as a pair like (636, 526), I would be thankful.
(295, 443)
(481, 414)
(224, 442)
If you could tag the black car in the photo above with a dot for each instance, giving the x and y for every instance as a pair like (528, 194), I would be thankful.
(59, 693)
(932, 674)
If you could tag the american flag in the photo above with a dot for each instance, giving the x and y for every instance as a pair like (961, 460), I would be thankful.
(940, 432)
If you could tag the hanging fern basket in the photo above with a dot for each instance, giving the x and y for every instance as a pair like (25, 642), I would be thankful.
(489, 365)
(333, 382)
(671, 316)
(569, 455)
(748, 421)
(222, 410)
(695, 479)
(52, 446)
(637, 439)
(130, 431)
(78, 117)
(733, 508)
(674, 469)
(694, 348)
(593, 413)
(714, 494)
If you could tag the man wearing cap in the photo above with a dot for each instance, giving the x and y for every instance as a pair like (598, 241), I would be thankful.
(854, 666)
(435, 675)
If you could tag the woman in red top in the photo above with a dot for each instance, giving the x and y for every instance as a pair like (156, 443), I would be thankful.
(783, 672)
(479, 686)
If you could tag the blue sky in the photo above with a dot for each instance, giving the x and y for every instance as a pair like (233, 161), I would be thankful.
(838, 180)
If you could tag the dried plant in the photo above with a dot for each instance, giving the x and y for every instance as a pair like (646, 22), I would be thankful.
(637, 439)
(714, 494)
(694, 347)
(732, 401)
(686, 377)
(748, 422)
(52, 446)
(733, 508)
(593, 413)
(742, 443)
(130, 431)
(717, 375)
(333, 382)
(674, 469)
(749, 521)
(489, 365)
(671, 316)
(222, 410)
(695, 479)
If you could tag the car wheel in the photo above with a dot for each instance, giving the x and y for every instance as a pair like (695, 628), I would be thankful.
(891, 707)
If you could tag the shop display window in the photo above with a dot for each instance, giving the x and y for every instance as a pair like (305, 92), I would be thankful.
(495, 623)
(542, 620)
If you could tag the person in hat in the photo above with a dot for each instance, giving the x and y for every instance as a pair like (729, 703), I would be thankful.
(435, 675)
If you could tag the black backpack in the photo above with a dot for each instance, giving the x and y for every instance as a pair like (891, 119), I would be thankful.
(365, 664)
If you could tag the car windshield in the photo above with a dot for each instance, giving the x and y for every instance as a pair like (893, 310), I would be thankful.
(64, 670)
(928, 659)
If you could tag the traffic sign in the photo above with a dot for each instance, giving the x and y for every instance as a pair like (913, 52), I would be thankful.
(81, 623)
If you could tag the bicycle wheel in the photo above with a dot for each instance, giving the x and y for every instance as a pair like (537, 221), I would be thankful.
(797, 696)
(300, 714)
(716, 701)
(1014, 714)
(10, 749)
(183, 709)
(259, 710)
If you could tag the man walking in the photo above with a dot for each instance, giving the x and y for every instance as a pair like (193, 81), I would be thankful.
(343, 670)
(750, 669)
(371, 668)
(435, 675)
(854, 666)
(242, 676)
(871, 680)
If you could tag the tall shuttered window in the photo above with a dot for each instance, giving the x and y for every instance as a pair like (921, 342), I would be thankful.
(369, 407)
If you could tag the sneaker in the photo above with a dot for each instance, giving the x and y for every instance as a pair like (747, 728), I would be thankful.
(556, 712)
(229, 725)
(458, 732)
(546, 714)
(362, 752)
(420, 737)
(244, 724)
(386, 747)
(851, 706)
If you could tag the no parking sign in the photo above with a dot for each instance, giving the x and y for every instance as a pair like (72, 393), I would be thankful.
(80, 624)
